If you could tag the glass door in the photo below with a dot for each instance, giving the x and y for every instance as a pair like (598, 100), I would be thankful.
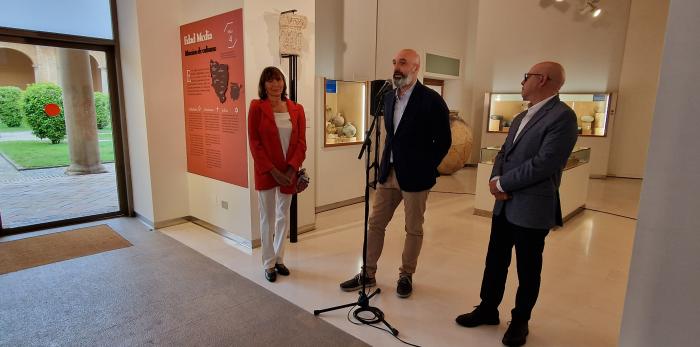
(58, 159)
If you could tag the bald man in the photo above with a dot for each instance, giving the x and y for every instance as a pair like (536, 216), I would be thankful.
(418, 136)
(525, 182)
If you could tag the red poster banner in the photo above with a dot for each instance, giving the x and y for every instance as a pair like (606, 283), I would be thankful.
(213, 86)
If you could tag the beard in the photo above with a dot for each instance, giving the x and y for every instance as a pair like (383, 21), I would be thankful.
(400, 80)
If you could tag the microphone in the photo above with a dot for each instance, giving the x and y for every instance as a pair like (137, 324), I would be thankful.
(386, 86)
(378, 89)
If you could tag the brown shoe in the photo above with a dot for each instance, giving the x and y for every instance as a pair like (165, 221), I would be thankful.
(356, 282)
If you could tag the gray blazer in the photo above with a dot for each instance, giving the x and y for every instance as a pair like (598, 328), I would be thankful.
(530, 169)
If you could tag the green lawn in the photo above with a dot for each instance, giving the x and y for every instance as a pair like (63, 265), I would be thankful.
(38, 154)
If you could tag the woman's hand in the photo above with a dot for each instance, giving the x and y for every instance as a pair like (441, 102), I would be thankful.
(290, 173)
(282, 178)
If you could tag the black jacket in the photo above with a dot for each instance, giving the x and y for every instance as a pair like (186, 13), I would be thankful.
(421, 140)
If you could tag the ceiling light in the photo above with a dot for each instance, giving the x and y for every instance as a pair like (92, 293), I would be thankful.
(590, 6)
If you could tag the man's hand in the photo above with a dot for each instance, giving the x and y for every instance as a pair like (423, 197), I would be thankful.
(493, 188)
(502, 196)
(282, 179)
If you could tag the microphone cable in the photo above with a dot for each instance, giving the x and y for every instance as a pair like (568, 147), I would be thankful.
(378, 316)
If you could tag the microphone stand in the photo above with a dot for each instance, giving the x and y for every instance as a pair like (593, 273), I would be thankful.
(363, 300)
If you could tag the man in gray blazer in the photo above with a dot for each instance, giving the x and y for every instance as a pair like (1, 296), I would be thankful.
(525, 182)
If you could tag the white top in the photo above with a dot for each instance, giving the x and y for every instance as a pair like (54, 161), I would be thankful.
(284, 125)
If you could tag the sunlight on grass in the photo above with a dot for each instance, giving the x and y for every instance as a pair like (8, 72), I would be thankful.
(38, 154)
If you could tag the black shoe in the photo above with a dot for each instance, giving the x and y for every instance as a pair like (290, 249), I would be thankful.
(404, 286)
(516, 335)
(271, 275)
(282, 270)
(355, 283)
(478, 317)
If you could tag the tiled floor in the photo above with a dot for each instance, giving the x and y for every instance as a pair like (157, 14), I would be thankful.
(583, 282)
(615, 195)
(43, 195)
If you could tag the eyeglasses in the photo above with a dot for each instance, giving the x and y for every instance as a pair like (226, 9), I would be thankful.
(527, 75)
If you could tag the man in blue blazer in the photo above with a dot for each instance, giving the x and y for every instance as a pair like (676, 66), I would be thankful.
(417, 125)
(525, 182)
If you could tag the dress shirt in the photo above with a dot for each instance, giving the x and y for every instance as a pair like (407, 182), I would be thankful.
(399, 108)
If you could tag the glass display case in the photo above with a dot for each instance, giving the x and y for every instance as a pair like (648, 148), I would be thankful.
(488, 154)
(592, 110)
(346, 108)
(579, 156)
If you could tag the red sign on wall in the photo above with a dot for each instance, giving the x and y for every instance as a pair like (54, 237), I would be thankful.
(213, 87)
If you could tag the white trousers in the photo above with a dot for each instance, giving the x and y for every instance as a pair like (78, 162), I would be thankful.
(274, 224)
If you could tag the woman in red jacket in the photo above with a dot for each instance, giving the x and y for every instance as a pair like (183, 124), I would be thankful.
(276, 131)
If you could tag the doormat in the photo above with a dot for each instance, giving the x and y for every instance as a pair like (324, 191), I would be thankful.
(51, 248)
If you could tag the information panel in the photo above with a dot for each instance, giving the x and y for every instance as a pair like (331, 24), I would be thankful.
(213, 87)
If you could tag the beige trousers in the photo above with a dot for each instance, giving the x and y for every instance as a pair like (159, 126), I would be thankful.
(386, 198)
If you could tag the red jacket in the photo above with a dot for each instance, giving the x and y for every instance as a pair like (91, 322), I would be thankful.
(265, 145)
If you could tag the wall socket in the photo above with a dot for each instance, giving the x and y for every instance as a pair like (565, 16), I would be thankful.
(224, 204)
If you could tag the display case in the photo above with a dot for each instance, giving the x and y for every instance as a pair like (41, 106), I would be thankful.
(346, 108)
(487, 155)
(579, 156)
(573, 189)
(592, 111)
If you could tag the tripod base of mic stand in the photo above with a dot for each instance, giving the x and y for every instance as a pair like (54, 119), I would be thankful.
(363, 303)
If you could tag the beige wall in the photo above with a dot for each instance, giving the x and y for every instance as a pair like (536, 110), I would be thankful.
(15, 68)
(345, 51)
(512, 36)
(638, 85)
(497, 41)
(428, 27)
(354, 31)
(134, 108)
(164, 190)
(162, 88)
(206, 194)
(262, 50)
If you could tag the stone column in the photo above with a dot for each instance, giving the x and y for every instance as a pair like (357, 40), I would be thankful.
(79, 111)
(37, 73)
(105, 80)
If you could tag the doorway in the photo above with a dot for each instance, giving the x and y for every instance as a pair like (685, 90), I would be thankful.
(61, 151)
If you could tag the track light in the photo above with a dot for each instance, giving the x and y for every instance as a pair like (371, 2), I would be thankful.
(591, 6)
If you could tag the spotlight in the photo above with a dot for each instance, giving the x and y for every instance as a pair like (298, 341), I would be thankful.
(590, 6)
